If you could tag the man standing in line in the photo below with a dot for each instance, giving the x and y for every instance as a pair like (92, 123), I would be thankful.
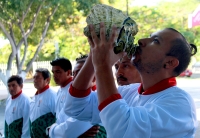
(62, 75)
(65, 126)
(17, 110)
(42, 106)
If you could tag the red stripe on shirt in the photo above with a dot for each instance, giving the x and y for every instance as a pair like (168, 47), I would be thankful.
(158, 87)
(94, 87)
(68, 81)
(44, 89)
(15, 96)
(79, 93)
(109, 100)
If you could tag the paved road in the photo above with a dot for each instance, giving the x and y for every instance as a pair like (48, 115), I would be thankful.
(190, 85)
(193, 87)
(2, 108)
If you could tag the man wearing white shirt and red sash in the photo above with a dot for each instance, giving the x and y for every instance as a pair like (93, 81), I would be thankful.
(65, 126)
(154, 108)
(42, 106)
(17, 110)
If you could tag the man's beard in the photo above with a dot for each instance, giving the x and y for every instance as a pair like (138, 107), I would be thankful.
(138, 65)
(149, 68)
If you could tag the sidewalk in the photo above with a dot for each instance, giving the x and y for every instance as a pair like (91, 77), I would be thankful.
(2, 109)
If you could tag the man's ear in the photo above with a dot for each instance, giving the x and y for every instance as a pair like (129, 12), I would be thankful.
(21, 86)
(171, 62)
(48, 80)
(69, 72)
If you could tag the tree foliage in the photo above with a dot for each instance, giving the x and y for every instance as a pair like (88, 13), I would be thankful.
(66, 27)
(167, 15)
(149, 19)
(25, 24)
(71, 42)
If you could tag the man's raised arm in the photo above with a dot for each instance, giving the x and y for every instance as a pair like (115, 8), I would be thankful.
(84, 78)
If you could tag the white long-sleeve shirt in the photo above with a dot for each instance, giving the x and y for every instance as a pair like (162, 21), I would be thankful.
(42, 111)
(18, 109)
(65, 126)
(68, 127)
(168, 113)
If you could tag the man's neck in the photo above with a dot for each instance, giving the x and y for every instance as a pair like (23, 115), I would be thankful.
(68, 80)
(16, 95)
(150, 80)
(158, 87)
(39, 91)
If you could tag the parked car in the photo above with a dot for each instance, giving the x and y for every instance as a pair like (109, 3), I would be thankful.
(186, 73)
(196, 67)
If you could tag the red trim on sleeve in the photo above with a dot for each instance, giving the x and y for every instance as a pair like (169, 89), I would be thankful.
(15, 96)
(79, 93)
(109, 100)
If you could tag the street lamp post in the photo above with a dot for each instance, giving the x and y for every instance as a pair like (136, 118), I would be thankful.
(127, 7)
(56, 50)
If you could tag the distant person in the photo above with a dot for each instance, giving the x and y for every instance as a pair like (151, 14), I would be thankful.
(65, 126)
(42, 106)
(17, 110)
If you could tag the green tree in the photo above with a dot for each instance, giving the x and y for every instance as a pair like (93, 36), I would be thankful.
(73, 42)
(167, 15)
(70, 38)
(25, 23)
(149, 19)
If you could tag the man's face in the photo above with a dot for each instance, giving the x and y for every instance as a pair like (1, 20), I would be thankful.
(126, 73)
(39, 81)
(151, 55)
(76, 70)
(14, 88)
(59, 75)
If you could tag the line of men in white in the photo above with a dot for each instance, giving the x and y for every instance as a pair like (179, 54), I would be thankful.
(156, 107)
(46, 108)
